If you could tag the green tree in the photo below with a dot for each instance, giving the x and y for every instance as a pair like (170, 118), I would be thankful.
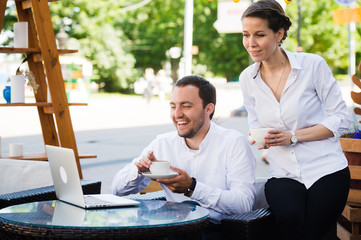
(100, 39)
(319, 34)
(159, 25)
(223, 54)
(122, 44)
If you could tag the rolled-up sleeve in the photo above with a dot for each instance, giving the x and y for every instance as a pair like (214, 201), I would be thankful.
(337, 119)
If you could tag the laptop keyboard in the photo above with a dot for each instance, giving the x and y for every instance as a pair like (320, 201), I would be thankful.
(96, 202)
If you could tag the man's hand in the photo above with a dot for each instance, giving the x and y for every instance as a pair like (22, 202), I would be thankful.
(177, 184)
(144, 163)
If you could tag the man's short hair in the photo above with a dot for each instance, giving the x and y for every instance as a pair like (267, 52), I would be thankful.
(207, 92)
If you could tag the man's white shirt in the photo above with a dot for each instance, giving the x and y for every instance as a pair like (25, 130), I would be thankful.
(224, 167)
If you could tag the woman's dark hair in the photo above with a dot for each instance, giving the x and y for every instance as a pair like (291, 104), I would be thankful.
(207, 92)
(271, 11)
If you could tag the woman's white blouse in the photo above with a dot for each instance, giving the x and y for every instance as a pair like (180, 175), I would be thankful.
(311, 96)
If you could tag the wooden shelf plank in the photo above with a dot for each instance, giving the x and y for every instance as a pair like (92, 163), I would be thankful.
(38, 104)
(354, 196)
(342, 233)
(355, 172)
(350, 145)
(43, 156)
(11, 50)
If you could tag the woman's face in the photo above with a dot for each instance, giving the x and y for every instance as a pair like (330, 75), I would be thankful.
(259, 40)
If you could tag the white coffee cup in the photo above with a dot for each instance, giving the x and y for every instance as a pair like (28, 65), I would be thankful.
(15, 150)
(258, 134)
(160, 167)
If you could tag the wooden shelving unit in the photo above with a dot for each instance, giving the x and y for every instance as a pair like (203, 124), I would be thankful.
(10, 50)
(55, 120)
(43, 157)
(37, 104)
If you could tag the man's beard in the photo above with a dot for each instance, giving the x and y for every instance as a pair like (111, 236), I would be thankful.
(192, 131)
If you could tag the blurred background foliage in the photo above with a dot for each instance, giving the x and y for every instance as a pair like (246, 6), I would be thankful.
(121, 44)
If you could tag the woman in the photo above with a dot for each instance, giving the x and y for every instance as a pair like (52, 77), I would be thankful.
(296, 94)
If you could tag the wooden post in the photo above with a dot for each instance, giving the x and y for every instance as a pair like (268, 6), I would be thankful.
(2, 12)
(50, 56)
(47, 122)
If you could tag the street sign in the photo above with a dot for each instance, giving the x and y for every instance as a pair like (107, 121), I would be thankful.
(345, 2)
(347, 15)
(229, 14)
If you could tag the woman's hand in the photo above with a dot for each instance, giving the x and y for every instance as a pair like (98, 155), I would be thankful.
(277, 137)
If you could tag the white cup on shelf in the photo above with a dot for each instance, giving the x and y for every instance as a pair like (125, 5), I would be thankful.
(17, 89)
(21, 35)
(16, 150)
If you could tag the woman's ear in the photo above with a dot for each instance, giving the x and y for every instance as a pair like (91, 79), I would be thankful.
(280, 34)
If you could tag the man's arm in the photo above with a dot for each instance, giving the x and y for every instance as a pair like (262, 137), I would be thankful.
(129, 181)
(238, 197)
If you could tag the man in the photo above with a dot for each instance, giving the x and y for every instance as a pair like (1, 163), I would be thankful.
(216, 166)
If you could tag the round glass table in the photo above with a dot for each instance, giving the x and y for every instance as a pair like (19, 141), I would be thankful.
(152, 219)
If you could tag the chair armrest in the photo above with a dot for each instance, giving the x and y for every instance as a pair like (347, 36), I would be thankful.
(158, 195)
(43, 194)
(255, 225)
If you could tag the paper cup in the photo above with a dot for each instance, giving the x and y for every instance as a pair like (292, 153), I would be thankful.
(258, 134)
(21, 35)
(160, 167)
(15, 150)
(17, 89)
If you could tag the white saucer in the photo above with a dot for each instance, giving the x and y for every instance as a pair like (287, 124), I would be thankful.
(155, 176)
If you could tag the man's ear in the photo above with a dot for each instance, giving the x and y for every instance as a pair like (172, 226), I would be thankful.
(209, 108)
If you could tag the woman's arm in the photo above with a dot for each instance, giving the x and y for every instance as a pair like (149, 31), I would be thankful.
(279, 137)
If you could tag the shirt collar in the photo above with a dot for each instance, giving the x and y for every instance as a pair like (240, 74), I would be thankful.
(291, 57)
(205, 141)
(293, 60)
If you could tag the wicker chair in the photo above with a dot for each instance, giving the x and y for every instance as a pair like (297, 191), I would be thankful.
(43, 194)
(259, 224)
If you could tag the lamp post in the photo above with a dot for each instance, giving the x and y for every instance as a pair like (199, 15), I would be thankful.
(174, 54)
(299, 47)
(188, 37)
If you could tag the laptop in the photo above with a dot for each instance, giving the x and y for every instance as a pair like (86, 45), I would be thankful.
(67, 182)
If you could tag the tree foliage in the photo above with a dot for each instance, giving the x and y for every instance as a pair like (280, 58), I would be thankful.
(122, 44)
(319, 34)
(158, 26)
(100, 39)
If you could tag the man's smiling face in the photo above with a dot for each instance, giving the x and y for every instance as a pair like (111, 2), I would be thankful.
(187, 111)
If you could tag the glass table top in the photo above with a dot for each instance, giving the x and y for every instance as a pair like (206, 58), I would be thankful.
(59, 214)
